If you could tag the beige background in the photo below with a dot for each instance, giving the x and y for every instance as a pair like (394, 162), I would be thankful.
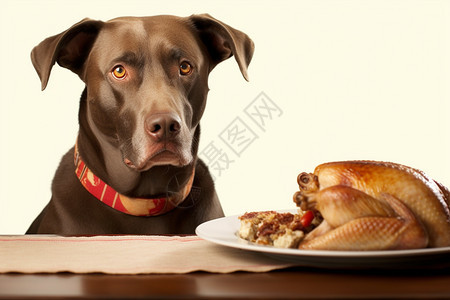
(354, 80)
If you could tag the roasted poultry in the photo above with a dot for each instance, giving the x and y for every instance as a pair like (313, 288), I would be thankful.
(369, 205)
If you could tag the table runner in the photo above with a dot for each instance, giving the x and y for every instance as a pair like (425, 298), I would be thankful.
(130, 254)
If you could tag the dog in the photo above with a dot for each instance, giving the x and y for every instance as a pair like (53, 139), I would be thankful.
(134, 168)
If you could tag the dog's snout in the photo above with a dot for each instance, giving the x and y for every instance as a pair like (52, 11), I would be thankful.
(163, 126)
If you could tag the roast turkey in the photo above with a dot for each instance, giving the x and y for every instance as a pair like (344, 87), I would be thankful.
(368, 205)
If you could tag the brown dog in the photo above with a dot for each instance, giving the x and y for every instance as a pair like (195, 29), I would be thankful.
(134, 168)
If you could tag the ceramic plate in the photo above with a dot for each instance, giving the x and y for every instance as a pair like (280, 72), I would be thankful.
(223, 231)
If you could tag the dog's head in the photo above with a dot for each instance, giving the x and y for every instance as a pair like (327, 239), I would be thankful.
(146, 82)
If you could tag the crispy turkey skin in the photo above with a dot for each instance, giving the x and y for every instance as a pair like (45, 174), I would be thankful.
(369, 205)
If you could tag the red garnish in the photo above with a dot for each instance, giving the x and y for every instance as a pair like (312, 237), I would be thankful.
(307, 218)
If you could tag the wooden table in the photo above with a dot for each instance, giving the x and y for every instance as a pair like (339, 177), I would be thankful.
(291, 283)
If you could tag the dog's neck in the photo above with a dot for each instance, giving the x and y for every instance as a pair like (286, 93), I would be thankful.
(132, 206)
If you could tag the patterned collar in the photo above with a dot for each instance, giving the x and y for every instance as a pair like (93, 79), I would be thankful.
(132, 206)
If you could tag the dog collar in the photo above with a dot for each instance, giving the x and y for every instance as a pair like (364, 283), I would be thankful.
(132, 206)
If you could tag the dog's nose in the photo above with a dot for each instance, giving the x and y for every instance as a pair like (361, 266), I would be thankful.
(163, 126)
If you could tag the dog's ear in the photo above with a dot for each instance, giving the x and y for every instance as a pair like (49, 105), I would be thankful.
(223, 41)
(69, 48)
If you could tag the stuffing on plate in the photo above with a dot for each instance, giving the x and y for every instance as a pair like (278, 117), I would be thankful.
(282, 230)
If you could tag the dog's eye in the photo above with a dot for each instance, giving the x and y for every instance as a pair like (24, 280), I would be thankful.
(185, 68)
(119, 72)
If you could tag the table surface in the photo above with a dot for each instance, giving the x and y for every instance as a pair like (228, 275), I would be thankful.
(290, 283)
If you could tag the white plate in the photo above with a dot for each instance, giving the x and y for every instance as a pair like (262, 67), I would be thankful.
(223, 231)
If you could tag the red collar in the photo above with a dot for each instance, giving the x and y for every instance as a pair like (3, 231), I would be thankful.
(132, 206)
